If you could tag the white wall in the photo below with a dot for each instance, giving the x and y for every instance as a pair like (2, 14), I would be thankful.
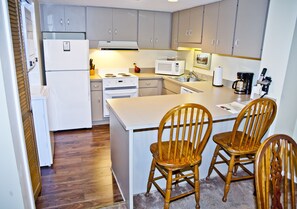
(16, 190)
(230, 65)
(114, 59)
(277, 48)
(287, 106)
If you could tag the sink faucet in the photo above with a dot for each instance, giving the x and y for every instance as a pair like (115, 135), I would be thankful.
(193, 73)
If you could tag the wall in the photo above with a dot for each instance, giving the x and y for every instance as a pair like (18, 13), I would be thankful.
(287, 106)
(116, 59)
(277, 58)
(230, 65)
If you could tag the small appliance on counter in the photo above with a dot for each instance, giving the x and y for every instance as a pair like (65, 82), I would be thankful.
(244, 83)
(217, 79)
(262, 86)
(170, 67)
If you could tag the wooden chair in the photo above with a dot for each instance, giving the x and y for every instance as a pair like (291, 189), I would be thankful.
(182, 135)
(238, 147)
(275, 173)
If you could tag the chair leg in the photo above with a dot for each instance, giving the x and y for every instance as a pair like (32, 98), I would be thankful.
(237, 158)
(197, 186)
(213, 161)
(228, 178)
(151, 176)
(168, 190)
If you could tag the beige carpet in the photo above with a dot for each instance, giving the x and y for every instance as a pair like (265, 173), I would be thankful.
(240, 197)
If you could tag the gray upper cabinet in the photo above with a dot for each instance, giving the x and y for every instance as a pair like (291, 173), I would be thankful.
(58, 18)
(250, 28)
(154, 29)
(190, 25)
(209, 37)
(219, 24)
(174, 31)
(124, 24)
(108, 24)
(99, 23)
(226, 25)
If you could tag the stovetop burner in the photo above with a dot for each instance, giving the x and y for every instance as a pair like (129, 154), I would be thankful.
(124, 74)
(109, 75)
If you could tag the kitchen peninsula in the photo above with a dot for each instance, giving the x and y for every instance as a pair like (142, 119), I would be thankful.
(134, 124)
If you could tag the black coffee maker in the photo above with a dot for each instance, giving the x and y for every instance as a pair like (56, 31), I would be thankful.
(244, 83)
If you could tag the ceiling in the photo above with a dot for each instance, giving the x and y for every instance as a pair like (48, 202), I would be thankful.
(155, 5)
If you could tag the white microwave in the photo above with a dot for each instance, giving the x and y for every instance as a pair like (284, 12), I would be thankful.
(170, 67)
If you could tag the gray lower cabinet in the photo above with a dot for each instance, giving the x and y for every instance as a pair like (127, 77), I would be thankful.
(108, 24)
(154, 29)
(250, 28)
(150, 87)
(60, 18)
(190, 24)
(96, 101)
(170, 87)
(218, 29)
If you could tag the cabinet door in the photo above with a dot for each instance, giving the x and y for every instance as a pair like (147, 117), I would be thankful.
(124, 25)
(250, 27)
(183, 25)
(99, 23)
(174, 31)
(162, 30)
(195, 27)
(146, 29)
(52, 18)
(75, 19)
(96, 103)
(211, 12)
(226, 26)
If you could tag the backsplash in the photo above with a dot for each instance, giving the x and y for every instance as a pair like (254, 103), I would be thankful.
(230, 65)
(146, 59)
(125, 59)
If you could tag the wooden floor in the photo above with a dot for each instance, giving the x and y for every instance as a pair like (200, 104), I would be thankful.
(81, 175)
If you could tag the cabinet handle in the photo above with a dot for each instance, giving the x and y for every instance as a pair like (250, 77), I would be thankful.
(115, 31)
(190, 32)
(61, 21)
(68, 21)
(109, 31)
(218, 42)
(212, 42)
(151, 40)
(147, 83)
(157, 40)
(236, 42)
(187, 32)
(95, 85)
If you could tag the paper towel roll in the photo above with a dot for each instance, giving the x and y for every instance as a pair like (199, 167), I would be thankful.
(217, 79)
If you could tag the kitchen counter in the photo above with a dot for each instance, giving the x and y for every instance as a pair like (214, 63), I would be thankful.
(146, 112)
(134, 123)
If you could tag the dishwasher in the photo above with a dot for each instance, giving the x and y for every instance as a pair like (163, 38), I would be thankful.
(184, 90)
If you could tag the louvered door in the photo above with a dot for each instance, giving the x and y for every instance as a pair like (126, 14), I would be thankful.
(24, 94)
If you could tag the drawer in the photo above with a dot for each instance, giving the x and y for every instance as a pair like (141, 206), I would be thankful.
(96, 85)
(148, 83)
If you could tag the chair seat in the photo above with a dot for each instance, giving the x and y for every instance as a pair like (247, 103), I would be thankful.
(223, 139)
(171, 163)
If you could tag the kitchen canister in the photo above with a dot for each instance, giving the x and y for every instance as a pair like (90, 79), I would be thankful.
(217, 78)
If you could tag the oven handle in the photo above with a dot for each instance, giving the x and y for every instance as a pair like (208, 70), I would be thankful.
(114, 92)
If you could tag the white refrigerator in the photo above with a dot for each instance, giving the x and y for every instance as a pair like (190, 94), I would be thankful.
(67, 77)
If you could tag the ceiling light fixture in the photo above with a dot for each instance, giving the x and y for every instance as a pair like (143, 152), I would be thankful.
(172, 0)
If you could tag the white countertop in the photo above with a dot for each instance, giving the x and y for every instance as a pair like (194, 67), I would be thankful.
(146, 112)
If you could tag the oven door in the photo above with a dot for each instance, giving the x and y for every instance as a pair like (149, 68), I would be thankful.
(115, 94)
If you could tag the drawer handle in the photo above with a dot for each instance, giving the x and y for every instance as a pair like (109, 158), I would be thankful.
(96, 86)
